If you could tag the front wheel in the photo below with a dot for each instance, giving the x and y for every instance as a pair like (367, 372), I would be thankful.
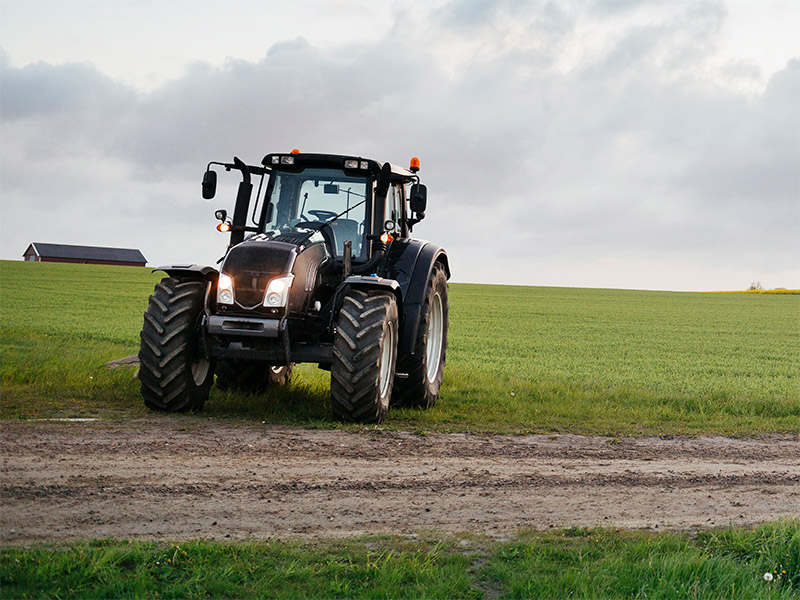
(420, 374)
(175, 374)
(364, 356)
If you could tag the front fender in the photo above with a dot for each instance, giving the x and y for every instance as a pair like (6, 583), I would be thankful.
(190, 272)
(365, 283)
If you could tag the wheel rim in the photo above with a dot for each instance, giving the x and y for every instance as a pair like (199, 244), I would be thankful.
(433, 349)
(200, 371)
(387, 358)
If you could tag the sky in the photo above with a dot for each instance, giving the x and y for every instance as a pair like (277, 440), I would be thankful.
(640, 144)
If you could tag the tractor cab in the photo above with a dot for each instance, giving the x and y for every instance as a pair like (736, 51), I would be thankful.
(347, 199)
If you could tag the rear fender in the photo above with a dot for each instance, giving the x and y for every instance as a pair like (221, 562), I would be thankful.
(410, 263)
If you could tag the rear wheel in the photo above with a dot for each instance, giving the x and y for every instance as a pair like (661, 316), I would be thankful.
(423, 370)
(251, 375)
(175, 374)
(364, 356)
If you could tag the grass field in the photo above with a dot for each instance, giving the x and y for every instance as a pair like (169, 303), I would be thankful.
(520, 359)
(574, 563)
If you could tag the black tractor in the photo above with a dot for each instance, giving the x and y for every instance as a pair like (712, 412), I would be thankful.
(322, 269)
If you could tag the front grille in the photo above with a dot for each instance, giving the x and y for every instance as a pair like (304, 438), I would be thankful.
(252, 264)
(249, 287)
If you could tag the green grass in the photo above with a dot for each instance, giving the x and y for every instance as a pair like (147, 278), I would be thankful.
(520, 359)
(575, 563)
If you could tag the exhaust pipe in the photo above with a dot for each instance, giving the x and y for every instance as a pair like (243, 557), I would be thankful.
(242, 203)
(378, 250)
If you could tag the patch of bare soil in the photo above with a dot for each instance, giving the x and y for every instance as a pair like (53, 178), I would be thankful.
(162, 478)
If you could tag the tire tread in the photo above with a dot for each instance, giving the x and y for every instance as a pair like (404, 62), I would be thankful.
(355, 370)
(166, 344)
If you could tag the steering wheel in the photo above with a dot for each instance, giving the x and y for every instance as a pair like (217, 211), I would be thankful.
(323, 215)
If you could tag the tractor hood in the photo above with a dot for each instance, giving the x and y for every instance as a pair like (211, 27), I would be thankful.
(253, 263)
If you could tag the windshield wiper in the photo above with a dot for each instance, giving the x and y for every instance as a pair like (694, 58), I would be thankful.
(341, 214)
(315, 227)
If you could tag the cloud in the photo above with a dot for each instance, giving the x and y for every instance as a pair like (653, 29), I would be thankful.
(640, 149)
(73, 89)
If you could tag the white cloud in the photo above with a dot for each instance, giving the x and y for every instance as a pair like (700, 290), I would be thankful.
(553, 154)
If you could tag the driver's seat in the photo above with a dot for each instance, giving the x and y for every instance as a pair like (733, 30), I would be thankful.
(346, 229)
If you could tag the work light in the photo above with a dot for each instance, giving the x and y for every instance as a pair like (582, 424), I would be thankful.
(355, 164)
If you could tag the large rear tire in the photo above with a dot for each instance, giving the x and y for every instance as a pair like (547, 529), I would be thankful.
(423, 370)
(174, 373)
(251, 375)
(364, 356)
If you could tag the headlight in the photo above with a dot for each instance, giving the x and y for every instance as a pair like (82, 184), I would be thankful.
(224, 289)
(278, 292)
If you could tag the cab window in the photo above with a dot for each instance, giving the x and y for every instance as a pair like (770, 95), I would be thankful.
(321, 196)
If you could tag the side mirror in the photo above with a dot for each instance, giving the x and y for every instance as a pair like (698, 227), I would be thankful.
(209, 184)
(419, 198)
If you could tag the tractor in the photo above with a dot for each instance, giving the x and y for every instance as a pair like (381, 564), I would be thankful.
(321, 268)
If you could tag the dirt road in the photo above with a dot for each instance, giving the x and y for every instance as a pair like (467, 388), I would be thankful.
(173, 478)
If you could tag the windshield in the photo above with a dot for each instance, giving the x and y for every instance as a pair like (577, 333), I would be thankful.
(318, 196)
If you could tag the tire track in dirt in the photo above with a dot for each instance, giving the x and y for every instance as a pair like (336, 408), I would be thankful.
(175, 478)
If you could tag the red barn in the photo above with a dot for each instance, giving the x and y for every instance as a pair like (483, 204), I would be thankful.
(92, 255)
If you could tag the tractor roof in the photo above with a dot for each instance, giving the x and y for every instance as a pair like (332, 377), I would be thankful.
(295, 161)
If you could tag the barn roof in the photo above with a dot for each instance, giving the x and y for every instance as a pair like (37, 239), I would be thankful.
(87, 252)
